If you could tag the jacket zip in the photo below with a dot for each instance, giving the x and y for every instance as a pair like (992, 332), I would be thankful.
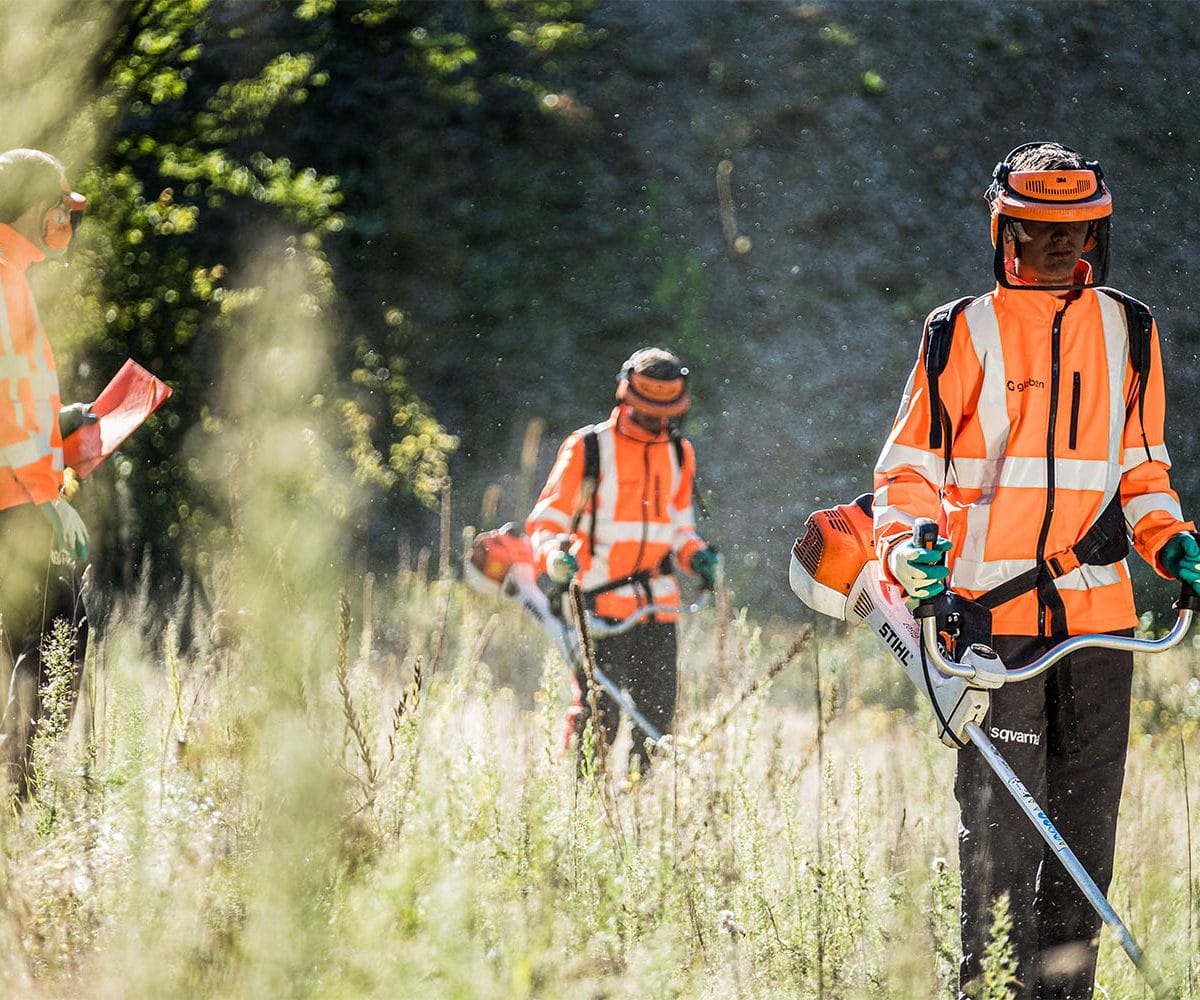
(1075, 393)
(1051, 424)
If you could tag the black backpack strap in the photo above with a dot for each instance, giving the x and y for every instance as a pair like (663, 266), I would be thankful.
(591, 455)
(939, 335)
(591, 474)
(1139, 324)
(677, 443)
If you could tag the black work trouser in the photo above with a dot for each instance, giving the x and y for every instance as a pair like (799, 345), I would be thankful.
(640, 662)
(1065, 735)
(37, 588)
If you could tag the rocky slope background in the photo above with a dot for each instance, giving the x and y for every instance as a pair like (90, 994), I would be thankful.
(473, 212)
(807, 182)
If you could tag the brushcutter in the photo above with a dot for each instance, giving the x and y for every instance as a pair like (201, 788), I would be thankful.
(944, 647)
(500, 564)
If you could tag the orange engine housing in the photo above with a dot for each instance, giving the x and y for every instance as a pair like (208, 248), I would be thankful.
(494, 554)
(827, 559)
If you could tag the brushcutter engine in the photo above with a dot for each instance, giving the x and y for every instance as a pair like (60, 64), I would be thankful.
(834, 571)
(497, 559)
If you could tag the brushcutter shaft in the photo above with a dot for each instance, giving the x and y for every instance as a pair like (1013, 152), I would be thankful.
(1072, 864)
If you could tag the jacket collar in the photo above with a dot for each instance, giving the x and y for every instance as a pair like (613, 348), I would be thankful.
(1044, 302)
(623, 421)
(16, 250)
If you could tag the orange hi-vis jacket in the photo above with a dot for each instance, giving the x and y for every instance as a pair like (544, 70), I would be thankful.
(31, 457)
(642, 514)
(1045, 431)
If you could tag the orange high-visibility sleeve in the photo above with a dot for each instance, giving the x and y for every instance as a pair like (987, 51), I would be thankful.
(1152, 508)
(31, 463)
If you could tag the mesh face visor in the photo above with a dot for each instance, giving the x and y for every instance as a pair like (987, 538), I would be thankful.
(1074, 195)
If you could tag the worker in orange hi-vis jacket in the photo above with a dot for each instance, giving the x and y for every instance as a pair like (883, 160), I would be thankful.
(616, 512)
(1032, 431)
(43, 542)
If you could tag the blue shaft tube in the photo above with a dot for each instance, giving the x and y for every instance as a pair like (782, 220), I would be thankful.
(1074, 868)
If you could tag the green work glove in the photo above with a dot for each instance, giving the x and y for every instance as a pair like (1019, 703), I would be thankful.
(70, 535)
(561, 566)
(1181, 558)
(921, 572)
(704, 565)
(71, 418)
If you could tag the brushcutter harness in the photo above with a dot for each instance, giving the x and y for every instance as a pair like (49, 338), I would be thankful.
(1106, 541)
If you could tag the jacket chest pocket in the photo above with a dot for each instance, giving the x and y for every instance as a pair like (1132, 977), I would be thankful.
(1076, 398)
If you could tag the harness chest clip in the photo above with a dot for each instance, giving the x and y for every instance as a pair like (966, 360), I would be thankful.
(1062, 563)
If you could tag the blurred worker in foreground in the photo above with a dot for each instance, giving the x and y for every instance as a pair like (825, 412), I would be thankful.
(1031, 430)
(616, 511)
(43, 542)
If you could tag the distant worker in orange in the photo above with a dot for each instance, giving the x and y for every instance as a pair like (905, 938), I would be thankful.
(1031, 430)
(43, 541)
(617, 512)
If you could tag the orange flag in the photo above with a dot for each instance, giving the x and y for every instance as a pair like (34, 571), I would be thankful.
(121, 409)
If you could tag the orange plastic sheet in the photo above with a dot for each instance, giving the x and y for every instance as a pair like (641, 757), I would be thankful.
(123, 406)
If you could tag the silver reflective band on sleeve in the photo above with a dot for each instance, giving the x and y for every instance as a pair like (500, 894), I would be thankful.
(22, 453)
(1139, 507)
(545, 512)
(897, 456)
(1137, 456)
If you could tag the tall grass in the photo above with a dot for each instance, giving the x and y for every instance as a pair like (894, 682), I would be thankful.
(404, 824)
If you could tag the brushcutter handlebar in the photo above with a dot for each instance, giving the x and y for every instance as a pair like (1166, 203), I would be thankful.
(1186, 606)
(979, 663)
(602, 628)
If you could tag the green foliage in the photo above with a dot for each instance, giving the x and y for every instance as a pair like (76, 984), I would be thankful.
(999, 962)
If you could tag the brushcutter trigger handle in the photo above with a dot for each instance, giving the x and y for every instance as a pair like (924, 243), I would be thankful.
(925, 536)
(1189, 600)
(925, 533)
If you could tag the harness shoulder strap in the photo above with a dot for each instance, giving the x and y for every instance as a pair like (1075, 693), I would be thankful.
(677, 444)
(591, 479)
(939, 334)
(591, 455)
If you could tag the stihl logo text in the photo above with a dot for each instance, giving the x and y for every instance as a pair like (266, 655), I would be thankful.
(895, 643)
(1015, 736)
(1028, 383)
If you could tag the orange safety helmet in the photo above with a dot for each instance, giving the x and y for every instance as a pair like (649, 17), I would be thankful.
(654, 381)
(1060, 193)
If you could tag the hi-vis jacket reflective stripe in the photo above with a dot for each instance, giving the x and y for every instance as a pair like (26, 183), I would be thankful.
(1045, 431)
(31, 459)
(643, 513)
